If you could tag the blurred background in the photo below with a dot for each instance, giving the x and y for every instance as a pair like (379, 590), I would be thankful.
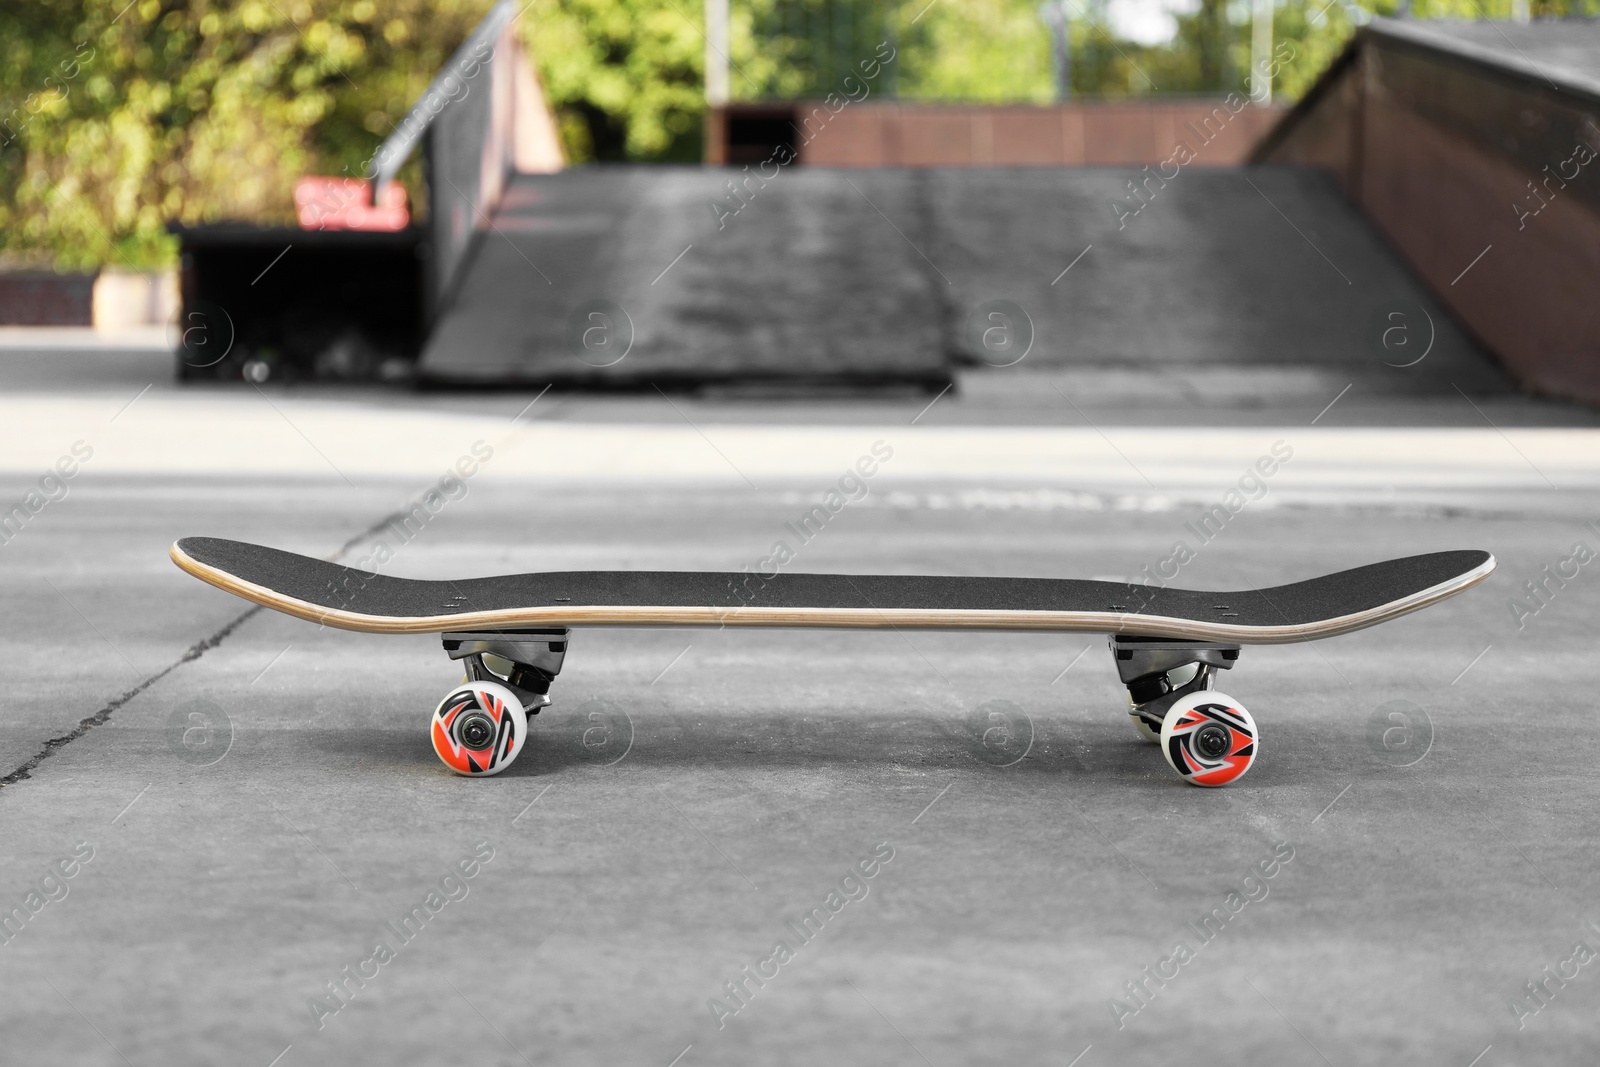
(158, 157)
(198, 112)
(660, 274)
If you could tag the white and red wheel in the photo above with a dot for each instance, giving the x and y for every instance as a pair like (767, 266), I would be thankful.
(479, 728)
(1209, 738)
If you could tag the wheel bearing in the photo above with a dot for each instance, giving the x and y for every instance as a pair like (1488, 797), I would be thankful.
(475, 730)
(1212, 741)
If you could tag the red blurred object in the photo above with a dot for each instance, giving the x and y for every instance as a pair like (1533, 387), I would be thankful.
(346, 204)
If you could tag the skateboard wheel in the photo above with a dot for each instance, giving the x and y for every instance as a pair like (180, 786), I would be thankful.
(1209, 738)
(479, 728)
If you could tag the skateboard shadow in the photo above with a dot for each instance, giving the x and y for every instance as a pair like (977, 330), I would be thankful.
(608, 740)
(1057, 747)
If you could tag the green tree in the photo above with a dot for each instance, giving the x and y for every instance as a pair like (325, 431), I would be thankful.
(122, 118)
(118, 118)
(624, 77)
(982, 51)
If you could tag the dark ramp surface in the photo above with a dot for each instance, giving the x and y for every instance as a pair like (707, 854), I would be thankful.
(1564, 52)
(329, 585)
(881, 275)
(807, 281)
(1263, 267)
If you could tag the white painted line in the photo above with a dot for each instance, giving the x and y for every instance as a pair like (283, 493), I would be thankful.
(531, 803)
(532, 402)
(1074, 263)
(1073, 664)
(1332, 402)
(674, 263)
(131, 803)
(1474, 263)
(274, 263)
(1331, 803)
(931, 803)
(1469, 666)
(675, 659)
(932, 402)
(130, 403)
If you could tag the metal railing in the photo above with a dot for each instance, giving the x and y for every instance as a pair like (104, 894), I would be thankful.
(452, 83)
(464, 123)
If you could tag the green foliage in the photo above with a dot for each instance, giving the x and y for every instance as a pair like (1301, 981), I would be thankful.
(119, 119)
(1318, 30)
(1000, 51)
(987, 51)
(625, 77)
(1317, 33)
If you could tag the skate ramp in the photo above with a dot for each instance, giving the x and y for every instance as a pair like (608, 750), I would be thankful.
(633, 277)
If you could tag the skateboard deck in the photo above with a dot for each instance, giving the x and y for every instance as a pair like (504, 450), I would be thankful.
(343, 597)
(512, 632)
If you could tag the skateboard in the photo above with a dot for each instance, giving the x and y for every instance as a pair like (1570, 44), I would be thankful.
(511, 632)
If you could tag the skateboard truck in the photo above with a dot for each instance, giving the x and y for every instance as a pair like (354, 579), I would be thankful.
(1147, 666)
(534, 656)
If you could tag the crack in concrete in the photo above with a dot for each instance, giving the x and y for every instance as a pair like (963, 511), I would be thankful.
(193, 652)
(55, 744)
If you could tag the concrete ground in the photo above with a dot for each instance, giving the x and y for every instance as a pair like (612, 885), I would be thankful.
(247, 804)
